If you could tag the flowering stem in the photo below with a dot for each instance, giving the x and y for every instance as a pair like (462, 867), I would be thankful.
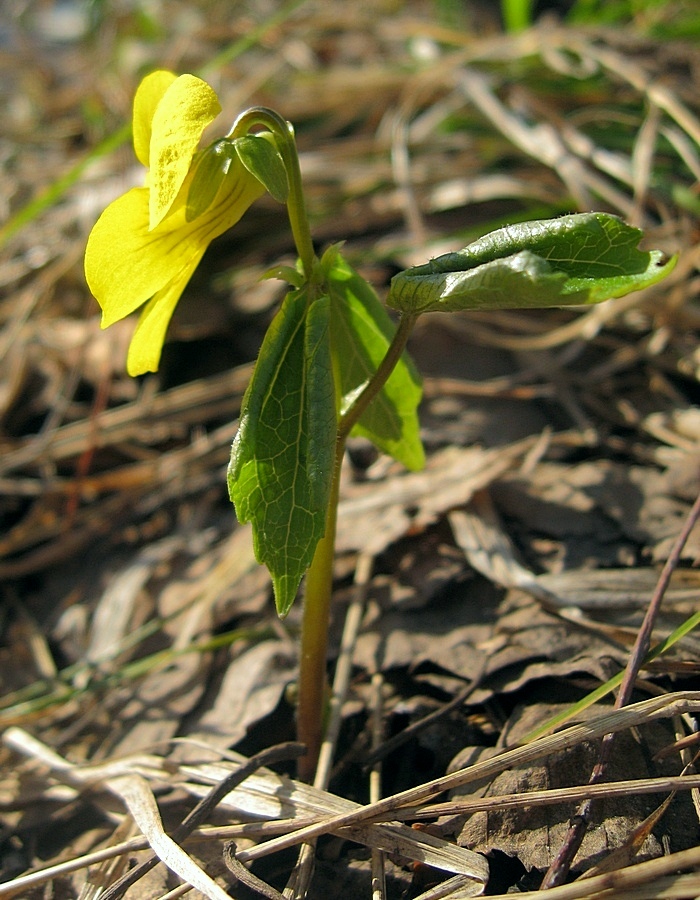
(286, 144)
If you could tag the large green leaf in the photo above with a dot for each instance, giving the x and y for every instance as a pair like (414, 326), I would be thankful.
(282, 457)
(361, 332)
(577, 259)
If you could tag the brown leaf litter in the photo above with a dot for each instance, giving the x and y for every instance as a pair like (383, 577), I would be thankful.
(141, 660)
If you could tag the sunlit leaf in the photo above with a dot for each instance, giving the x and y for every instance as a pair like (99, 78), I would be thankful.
(579, 259)
(361, 332)
(286, 273)
(282, 457)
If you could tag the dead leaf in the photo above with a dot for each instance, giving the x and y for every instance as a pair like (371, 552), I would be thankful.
(250, 689)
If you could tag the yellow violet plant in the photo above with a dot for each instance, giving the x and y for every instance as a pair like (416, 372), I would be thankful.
(333, 362)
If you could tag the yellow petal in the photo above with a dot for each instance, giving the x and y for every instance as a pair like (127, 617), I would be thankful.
(184, 111)
(148, 338)
(148, 95)
(126, 264)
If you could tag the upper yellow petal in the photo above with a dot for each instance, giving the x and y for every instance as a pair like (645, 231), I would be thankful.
(185, 109)
(148, 95)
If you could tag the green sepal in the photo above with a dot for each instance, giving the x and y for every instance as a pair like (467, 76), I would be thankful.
(579, 259)
(210, 166)
(282, 457)
(361, 332)
(260, 156)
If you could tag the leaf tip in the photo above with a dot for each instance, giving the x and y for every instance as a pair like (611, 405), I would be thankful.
(285, 588)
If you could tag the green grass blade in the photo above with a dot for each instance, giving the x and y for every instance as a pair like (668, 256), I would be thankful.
(656, 651)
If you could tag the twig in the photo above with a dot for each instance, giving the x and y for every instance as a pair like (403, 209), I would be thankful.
(550, 797)
(375, 785)
(343, 669)
(623, 882)
(240, 873)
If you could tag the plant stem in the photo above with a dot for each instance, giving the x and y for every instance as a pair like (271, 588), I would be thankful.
(296, 205)
(517, 14)
(314, 633)
(319, 578)
(380, 377)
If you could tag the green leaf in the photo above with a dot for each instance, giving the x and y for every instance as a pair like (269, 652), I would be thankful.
(282, 457)
(261, 158)
(579, 259)
(361, 332)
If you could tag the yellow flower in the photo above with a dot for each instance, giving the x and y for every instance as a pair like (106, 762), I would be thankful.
(143, 249)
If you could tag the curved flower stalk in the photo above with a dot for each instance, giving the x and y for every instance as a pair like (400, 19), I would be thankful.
(146, 245)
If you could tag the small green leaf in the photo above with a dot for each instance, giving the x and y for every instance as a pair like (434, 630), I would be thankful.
(261, 158)
(579, 259)
(282, 457)
(361, 332)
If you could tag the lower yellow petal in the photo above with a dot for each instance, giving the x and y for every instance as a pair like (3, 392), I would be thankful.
(119, 271)
(147, 342)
